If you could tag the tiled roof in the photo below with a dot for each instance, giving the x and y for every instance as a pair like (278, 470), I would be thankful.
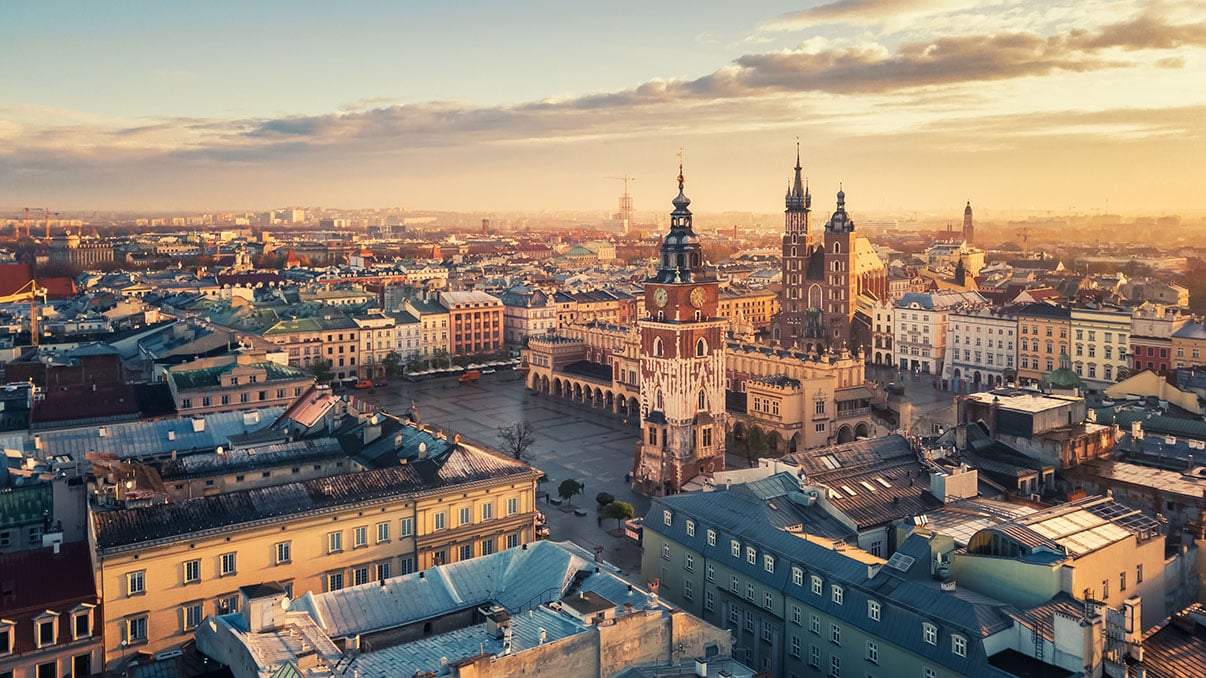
(242, 459)
(139, 527)
(1174, 652)
(38, 578)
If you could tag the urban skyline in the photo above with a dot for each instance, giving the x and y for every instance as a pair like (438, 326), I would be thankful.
(914, 105)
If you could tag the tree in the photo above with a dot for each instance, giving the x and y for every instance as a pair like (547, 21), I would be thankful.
(568, 488)
(517, 438)
(391, 361)
(321, 369)
(414, 363)
(439, 358)
(620, 510)
(754, 444)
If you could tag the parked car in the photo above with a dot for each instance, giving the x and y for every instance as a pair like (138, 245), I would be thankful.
(488, 370)
(363, 384)
(471, 375)
(380, 382)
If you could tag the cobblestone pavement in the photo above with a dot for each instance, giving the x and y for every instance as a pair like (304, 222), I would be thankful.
(571, 441)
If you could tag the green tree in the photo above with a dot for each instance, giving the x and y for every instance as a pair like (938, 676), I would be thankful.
(620, 510)
(517, 438)
(568, 488)
(754, 444)
(415, 363)
(439, 358)
(391, 361)
(321, 369)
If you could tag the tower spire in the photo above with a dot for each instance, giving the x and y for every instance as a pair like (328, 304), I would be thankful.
(797, 196)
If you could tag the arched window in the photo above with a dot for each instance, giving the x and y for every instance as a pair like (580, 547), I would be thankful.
(661, 404)
(793, 250)
(837, 248)
(701, 347)
(657, 347)
(703, 402)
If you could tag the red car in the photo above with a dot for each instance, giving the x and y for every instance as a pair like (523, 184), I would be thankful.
(363, 383)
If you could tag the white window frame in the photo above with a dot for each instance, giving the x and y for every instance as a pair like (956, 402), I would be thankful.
(929, 633)
(958, 645)
(223, 570)
(874, 610)
(836, 594)
(768, 562)
(194, 563)
(335, 542)
(383, 532)
(797, 576)
(359, 536)
(818, 586)
(283, 552)
(138, 577)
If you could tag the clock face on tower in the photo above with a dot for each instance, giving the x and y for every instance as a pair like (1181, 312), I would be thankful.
(660, 297)
(698, 297)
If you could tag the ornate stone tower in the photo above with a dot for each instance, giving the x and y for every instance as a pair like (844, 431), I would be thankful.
(787, 326)
(682, 365)
(835, 297)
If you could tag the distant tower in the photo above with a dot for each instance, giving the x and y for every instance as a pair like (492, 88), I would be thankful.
(969, 231)
(788, 324)
(682, 365)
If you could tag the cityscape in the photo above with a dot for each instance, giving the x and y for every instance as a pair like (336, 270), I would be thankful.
(852, 338)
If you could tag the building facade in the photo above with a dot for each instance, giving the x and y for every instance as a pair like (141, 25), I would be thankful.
(228, 383)
(163, 568)
(475, 322)
(1189, 345)
(920, 322)
(981, 349)
(1043, 331)
(1100, 344)
(1152, 327)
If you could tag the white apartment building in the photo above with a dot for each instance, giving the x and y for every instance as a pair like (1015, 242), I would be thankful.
(919, 325)
(377, 340)
(1100, 344)
(981, 352)
(882, 337)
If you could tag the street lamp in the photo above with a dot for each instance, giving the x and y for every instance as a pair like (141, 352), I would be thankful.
(125, 670)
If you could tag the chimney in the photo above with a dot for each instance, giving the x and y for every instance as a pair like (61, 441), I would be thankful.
(701, 667)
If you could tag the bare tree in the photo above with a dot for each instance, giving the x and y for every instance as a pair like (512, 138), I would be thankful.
(517, 438)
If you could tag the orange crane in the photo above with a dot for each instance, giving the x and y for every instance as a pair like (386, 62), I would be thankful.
(32, 293)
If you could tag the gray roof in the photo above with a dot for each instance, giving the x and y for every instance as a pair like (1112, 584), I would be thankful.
(235, 460)
(133, 528)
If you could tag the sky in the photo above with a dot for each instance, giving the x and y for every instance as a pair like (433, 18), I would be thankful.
(529, 105)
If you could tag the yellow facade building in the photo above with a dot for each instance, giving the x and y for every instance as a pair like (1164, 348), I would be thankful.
(163, 568)
(1043, 331)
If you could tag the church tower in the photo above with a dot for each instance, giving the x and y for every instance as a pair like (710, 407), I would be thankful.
(682, 365)
(787, 326)
(835, 297)
(969, 231)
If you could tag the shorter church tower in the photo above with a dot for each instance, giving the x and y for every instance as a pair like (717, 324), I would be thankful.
(682, 365)
(969, 231)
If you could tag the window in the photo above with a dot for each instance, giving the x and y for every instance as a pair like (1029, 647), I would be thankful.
(512, 506)
(689, 562)
(751, 555)
(688, 589)
(46, 631)
(930, 673)
(1139, 573)
(1105, 589)
(666, 551)
(873, 610)
(814, 656)
(836, 594)
(512, 540)
(487, 547)
(666, 517)
(1121, 581)
(814, 624)
(334, 542)
(749, 592)
(766, 631)
(406, 527)
(835, 665)
(6, 638)
(735, 548)
(81, 626)
(795, 614)
(711, 537)
(959, 645)
(768, 563)
(465, 516)
(709, 601)
(334, 581)
(227, 564)
(136, 629)
(487, 511)
(360, 576)
(710, 575)
(749, 621)
(359, 537)
(795, 646)
(441, 520)
(192, 616)
(465, 552)
(382, 532)
(835, 634)
(136, 583)
(733, 586)
(929, 633)
(872, 652)
(690, 528)
(768, 600)
(192, 571)
(797, 576)
(816, 585)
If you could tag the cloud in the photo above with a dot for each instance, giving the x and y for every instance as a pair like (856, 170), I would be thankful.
(854, 12)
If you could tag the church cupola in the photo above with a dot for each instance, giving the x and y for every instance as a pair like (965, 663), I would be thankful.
(682, 252)
(840, 222)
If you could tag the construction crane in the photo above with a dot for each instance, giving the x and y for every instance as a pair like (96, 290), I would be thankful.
(1024, 234)
(32, 293)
